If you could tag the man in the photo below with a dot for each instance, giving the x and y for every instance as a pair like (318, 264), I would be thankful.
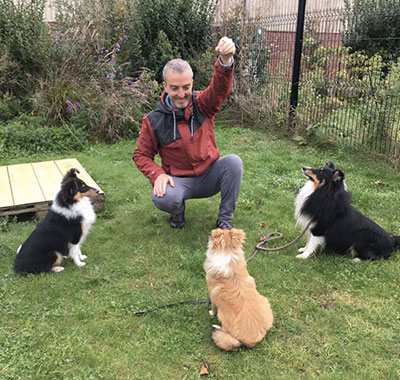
(181, 131)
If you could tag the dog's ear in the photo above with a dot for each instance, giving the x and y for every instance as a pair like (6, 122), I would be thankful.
(218, 239)
(237, 237)
(71, 187)
(216, 233)
(330, 165)
(338, 176)
(73, 172)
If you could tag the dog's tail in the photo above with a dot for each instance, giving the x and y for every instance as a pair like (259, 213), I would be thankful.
(224, 340)
(396, 243)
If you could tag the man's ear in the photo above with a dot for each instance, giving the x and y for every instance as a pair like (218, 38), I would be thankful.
(164, 83)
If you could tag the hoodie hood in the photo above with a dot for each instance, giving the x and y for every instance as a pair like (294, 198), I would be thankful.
(164, 120)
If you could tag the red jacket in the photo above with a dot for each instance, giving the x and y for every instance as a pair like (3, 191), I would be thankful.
(184, 139)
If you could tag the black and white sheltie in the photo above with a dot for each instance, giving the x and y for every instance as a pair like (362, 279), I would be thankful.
(324, 201)
(62, 231)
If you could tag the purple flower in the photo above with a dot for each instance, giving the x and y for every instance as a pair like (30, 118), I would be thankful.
(108, 75)
(69, 106)
(78, 105)
(149, 93)
(117, 47)
(112, 60)
(121, 39)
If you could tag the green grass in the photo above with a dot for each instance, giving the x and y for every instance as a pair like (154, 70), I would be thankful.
(333, 319)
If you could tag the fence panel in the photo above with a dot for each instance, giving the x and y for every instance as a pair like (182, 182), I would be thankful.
(346, 100)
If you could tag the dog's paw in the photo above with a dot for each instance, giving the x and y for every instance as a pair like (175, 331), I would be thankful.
(216, 327)
(83, 257)
(304, 255)
(301, 250)
(57, 269)
(356, 260)
(80, 263)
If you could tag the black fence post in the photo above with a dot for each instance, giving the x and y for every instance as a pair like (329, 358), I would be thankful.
(298, 46)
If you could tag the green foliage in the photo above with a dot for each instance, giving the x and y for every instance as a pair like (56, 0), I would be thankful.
(105, 24)
(85, 82)
(166, 29)
(26, 135)
(351, 104)
(203, 67)
(5, 222)
(56, 93)
(373, 26)
(84, 71)
(24, 39)
(9, 107)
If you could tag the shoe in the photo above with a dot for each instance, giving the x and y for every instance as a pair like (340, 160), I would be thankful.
(224, 225)
(177, 220)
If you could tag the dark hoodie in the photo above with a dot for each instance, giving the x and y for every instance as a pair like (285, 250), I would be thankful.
(184, 138)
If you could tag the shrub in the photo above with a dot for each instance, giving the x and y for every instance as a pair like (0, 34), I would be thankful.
(85, 83)
(9, 107)
(52, 101)
(166, 29)
(26, 135)
(203, 68)
(24, 40)
(373, 26)
(116, 108)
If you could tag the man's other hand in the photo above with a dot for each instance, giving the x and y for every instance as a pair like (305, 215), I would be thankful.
(160, 184)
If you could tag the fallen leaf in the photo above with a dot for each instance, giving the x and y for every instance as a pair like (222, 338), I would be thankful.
(247, 155)
(262, 224)
(204, 368)
(378, 183)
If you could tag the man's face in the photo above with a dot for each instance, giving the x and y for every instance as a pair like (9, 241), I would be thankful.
(179, 88)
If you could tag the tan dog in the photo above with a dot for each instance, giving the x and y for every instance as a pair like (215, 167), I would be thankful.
(246, 315)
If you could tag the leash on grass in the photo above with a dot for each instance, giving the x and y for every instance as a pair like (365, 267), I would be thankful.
(273, 236)
(259, 247)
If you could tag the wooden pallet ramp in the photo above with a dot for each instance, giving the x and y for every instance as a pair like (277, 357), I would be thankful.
(31, 187)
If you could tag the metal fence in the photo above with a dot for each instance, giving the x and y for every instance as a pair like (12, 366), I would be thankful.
(343, 97)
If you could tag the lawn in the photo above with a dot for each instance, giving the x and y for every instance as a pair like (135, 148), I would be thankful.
(334, 319)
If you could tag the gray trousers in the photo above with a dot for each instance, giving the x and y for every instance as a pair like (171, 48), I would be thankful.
(224, 175)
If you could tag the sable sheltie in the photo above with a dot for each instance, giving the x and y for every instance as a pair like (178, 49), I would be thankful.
(246, 316)
(324, 201)
(62, 231)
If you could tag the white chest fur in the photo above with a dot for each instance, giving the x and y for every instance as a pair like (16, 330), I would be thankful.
(218, 263)
(302, 195)
(83, 209)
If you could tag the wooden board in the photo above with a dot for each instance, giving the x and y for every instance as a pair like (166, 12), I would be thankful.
(5, 188)
(31, 187)
(49, 177)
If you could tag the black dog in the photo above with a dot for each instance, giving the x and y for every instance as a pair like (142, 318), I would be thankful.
(324, 200)
(62, 231)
